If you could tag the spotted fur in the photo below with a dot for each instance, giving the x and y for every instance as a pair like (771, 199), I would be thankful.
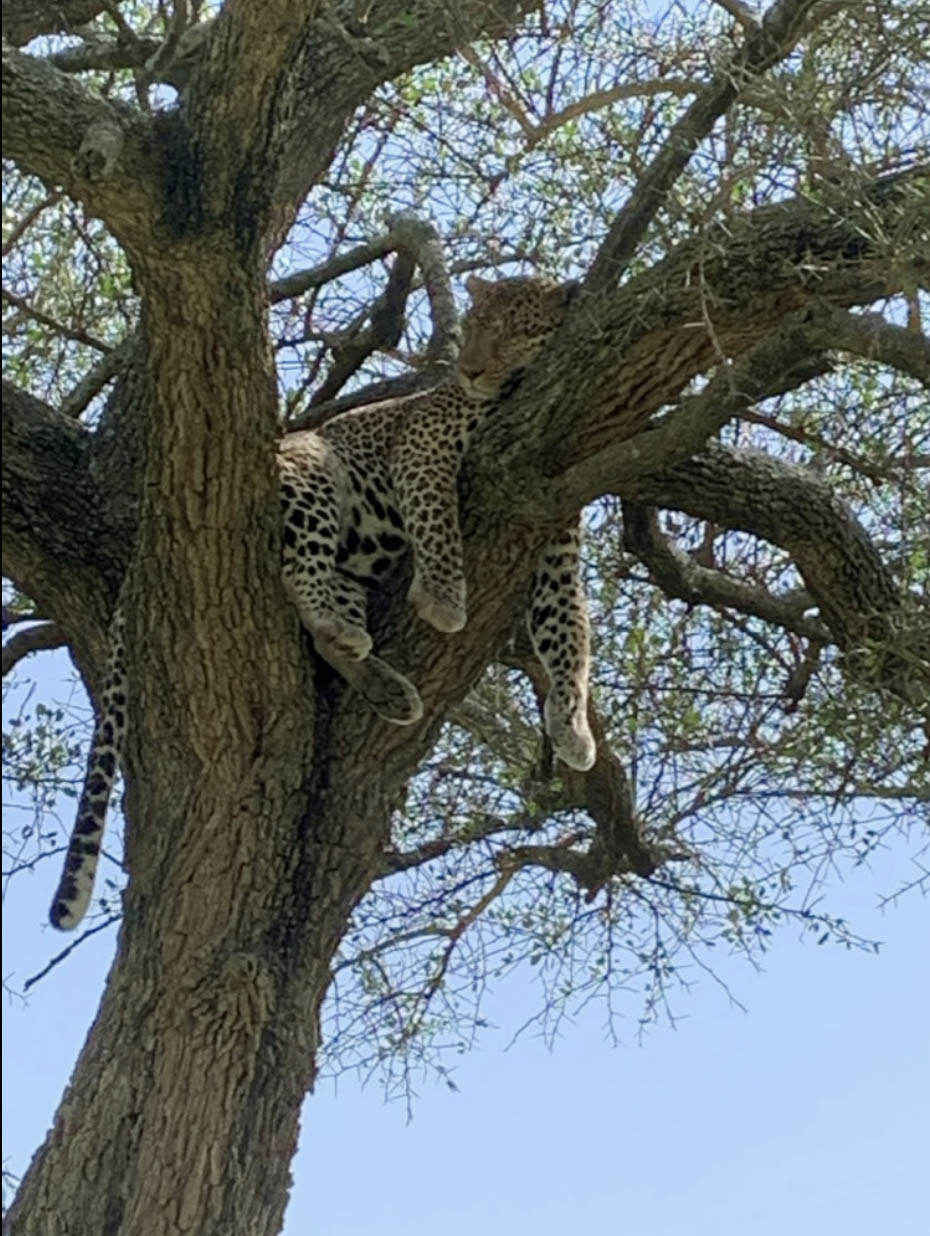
(356, 495)
(77, 879)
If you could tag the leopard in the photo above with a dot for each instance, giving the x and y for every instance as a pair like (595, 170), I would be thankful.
(358, 493)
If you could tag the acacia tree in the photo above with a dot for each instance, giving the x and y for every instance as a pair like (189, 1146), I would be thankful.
(195, 195)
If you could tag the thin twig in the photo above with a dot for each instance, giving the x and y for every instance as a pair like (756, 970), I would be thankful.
(23, 224)
(66, 952)
(773, 40)
(69, 332)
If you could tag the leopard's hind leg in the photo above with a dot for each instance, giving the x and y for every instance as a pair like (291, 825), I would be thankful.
(311, 514)
(388, 693)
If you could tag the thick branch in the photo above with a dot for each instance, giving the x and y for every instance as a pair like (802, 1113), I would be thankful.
(54, 546)
(115, 54)
(621, 358)
(740, 12)
(868, 335)
(24, 20)
(33, 639)
(424, 239)
(780, 362)
(263, 132)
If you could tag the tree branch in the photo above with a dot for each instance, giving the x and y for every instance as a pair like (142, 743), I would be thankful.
(780, 362)
(377, 392)
(782, 503)
(33, 639)
(25, 222)
(620, 359)
(417, 243)
(424, 240)
(741, 13)
(66, 332)
(604, 792)
(307, 73)
(592, 869)
(870, 336)
(98, 152)
(679, 576)
(24, 20)
(55, 545)
(97, 377)
(770, 42)
(122, 53)
(386, 325)
(333, 268)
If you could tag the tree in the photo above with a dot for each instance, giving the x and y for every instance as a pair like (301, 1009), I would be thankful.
(762, 619)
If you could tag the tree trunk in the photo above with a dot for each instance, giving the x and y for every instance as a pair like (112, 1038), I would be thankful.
(248, 849)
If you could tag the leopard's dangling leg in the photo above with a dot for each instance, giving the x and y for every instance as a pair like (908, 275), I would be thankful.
(425, 466)
(557, 619)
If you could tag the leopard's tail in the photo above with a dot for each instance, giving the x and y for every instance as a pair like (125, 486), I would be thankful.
(77, 881)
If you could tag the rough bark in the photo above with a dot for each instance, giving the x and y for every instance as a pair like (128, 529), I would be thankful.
(254, 833)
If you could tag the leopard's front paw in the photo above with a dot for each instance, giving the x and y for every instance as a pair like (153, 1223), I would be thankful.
(442, 608)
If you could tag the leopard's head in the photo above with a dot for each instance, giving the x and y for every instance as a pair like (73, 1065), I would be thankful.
(506, 328)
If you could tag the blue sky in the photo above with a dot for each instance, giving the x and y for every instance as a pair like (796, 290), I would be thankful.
(806, 1114)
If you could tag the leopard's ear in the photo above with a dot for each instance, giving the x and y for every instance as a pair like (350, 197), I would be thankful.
(477, 287)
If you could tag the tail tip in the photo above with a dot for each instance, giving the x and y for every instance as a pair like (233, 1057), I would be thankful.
(63, 915)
